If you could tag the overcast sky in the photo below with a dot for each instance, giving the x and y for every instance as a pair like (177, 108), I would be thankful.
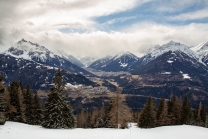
(100, 27)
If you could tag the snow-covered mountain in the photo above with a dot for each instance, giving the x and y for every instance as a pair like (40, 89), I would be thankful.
(172, 57)
(171, 46)
(30, 51)
(173, 62)
(124, 61)
(202, 51)
(87, 60)
(39, 76)
(70, 58)
(34, 52)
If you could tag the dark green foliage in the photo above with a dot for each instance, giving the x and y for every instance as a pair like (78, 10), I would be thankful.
(162, 113)
(174, 110)
(58, 111)
(200, 115)
(14, 90)
(203, 115)
(186, 114)
(28, 105)
(36, 111)
(147, 118)
(2, 108)
(2, 103)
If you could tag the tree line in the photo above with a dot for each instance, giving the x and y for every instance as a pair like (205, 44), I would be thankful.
(174, 111)
(20, 104)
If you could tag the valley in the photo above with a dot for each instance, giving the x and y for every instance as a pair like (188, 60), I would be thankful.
(164, 71)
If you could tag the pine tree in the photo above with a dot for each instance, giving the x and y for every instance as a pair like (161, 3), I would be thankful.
(2, 110)
(174, 110)
(36, 111)
(119, 113)
(21, 102)
(162, 113)
(147, 118)
(58, 111)
(28, 105)
(16, 101)
(203, 115)
(186, 115)
(2, 103)
(88, 115)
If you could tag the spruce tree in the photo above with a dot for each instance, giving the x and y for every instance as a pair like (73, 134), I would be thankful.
(147, 118)
(186, 115)
(2, 103)
(36, 111)
(203, 115)
(16, 101)
(28, 105)
(162, 113)
(174, 110)
(2, 110)
(58, 111)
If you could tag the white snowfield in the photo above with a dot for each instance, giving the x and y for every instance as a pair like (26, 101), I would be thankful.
(12, 130)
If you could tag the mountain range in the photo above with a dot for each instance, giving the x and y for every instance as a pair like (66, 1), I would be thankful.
(171, 52)
(172, 67)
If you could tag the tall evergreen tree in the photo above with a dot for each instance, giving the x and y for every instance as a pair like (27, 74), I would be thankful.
(36, 111)
(2, 103)
(203, 115)
(58, 111)
(28, 105)
(119, 113)
(147, 118)
(2, 110)
(16, 101)
(174, 110)
(162, 113)
(186, 115)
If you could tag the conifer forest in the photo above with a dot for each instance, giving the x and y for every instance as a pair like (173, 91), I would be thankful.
(21, 104)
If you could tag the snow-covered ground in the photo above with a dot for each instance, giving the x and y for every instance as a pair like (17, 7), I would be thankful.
(12, 130)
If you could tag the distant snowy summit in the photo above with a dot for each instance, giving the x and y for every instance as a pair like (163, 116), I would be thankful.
(171, 46)
(30, 51)
(126, 61)
(33, 51)
(122, 61)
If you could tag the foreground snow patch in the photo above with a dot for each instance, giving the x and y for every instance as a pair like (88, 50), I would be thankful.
(12, 130)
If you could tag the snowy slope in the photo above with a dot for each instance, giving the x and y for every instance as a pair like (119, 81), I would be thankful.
(12, 130)
(34, 52)
(70, 58)
(30, 51)
(202, 51)
(171, 46)
(87, 60)
(123, 61)
(201, 48)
